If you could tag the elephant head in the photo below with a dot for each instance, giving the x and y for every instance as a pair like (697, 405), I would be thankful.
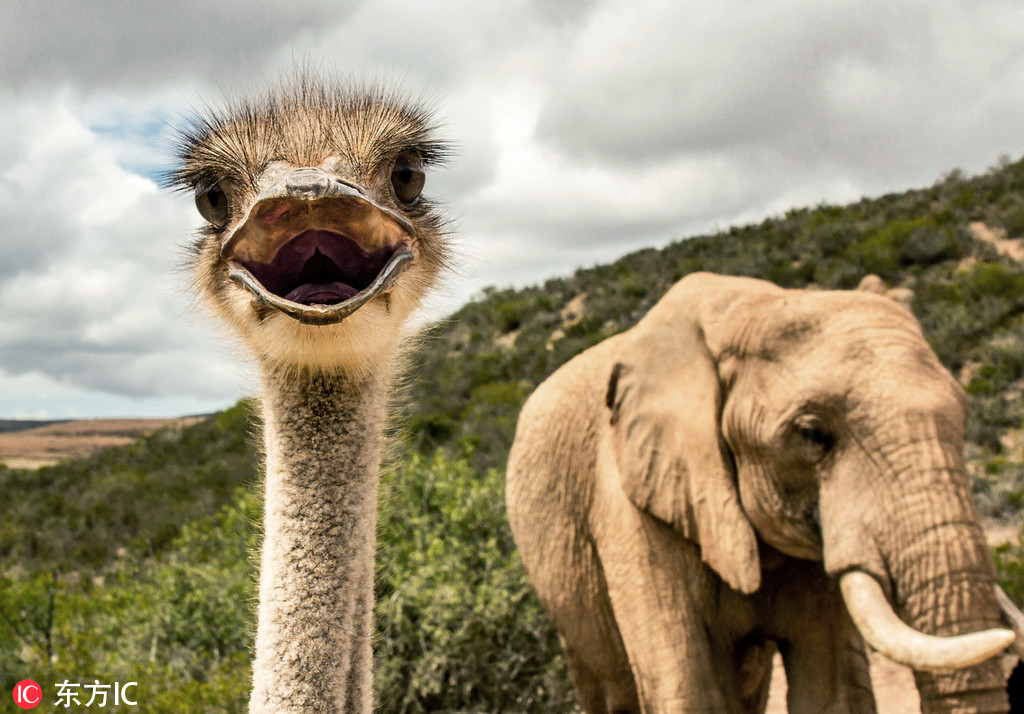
(824, 425)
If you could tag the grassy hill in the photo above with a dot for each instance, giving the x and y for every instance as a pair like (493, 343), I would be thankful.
(134, 562)
(9, 425)
(35, 444)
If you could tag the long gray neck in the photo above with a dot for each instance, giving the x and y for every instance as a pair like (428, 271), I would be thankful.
(323, 436)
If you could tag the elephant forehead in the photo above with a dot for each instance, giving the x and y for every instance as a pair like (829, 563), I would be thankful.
(831, 325)
(837, 374)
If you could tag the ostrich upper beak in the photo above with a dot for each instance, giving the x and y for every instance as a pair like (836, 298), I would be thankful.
(317, 248)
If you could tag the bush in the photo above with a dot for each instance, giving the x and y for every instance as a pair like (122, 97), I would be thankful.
(460, 628)
(904, 242)
(1011, 217)
(180, 625)
(927, 244)
(1009, 559)
(988, 418)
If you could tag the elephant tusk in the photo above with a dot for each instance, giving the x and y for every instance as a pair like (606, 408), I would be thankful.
(887, 633)
(1014, 618)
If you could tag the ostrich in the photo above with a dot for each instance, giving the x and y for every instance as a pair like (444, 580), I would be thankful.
(318, 246)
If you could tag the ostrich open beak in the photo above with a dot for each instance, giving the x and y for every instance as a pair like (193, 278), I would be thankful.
(317, 248)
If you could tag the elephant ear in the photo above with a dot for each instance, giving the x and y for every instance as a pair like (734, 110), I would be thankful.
(665, 405)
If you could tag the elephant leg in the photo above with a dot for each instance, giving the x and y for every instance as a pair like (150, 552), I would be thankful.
(825, 676)
(590, 637)
(663, 598)
(823, 653)
(754, 667)
(566, 573)
(607, 693)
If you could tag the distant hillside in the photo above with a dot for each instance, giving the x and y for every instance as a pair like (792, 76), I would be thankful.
(134, 559)
(951, 251)
(44, 443)
(7, 425)
(78, 513)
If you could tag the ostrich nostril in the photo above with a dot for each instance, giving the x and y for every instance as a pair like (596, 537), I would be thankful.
(311, 183)
(308, 183)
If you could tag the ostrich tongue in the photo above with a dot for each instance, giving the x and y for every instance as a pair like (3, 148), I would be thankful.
(320, 267)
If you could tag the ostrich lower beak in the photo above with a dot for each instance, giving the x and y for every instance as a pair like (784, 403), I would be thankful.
(315, 248)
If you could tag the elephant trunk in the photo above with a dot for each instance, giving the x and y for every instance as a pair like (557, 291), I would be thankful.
(943, 585)
(978, 688)
(920, 541)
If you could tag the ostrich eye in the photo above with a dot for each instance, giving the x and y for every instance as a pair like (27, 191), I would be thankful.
(407, 180)
(212, 202)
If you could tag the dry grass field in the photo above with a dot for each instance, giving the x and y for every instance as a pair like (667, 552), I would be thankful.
(46, 445)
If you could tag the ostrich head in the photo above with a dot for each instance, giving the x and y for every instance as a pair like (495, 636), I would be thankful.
(318, 241)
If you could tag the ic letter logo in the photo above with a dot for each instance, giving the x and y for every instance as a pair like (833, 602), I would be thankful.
(27, 694)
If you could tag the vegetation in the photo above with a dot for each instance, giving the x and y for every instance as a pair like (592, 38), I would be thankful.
(137, 564)
(458, 622)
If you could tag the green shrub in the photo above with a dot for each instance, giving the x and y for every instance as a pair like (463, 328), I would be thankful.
(512, 313)
(1004, 363)
(903, 242)
(460, 628)
(989, 416)
(926, 244)
(1009, 559)
(181, 624)
(1011, 217)
(995, 280)
(76, 514)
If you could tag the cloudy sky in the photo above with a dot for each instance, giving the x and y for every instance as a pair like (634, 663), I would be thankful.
(585, 129)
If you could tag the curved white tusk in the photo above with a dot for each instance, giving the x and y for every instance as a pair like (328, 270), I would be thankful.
(1014, 618)
(887, 633)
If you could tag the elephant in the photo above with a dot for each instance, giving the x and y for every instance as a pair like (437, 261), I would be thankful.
(752, 469)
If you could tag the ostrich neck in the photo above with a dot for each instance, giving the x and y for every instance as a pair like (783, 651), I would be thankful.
(322, 435)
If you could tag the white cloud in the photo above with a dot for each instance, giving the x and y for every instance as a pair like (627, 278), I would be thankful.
(866, 87)
(118, 46)
(90, 301)
(584, 129)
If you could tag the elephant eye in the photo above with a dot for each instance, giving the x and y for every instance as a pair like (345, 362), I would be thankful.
(815, 441)
(814, 435)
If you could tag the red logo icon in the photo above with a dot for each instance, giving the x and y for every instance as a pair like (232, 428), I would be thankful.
(27, 694)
